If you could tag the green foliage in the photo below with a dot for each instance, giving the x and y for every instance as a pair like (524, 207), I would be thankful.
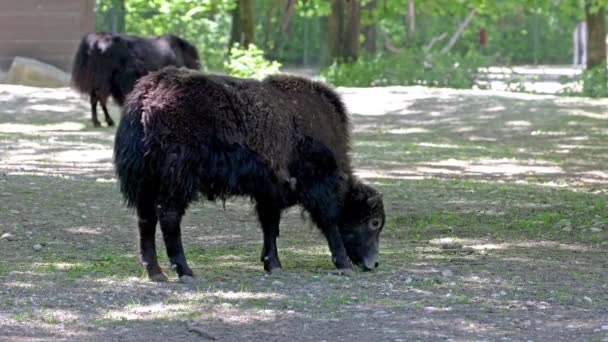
(411, 67)
(204, 23)
(595, 83)
(250, 62)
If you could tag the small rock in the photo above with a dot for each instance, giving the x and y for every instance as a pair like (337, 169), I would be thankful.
(447, 273)
(605, 327)
(102, 329)
(587, 299)
(567, 229)
(8, 237)
(278, 283)
(37, 247)
(380, 313)
(502, 293)
(595, 229)
(408, 280)
(468, 250)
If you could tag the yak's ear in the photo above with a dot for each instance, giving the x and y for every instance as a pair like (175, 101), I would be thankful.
(374, 200)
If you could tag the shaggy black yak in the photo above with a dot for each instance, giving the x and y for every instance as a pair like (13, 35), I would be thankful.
(108, 64)
(282, 141)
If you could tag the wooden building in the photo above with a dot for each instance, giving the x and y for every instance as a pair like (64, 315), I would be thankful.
(47, 30)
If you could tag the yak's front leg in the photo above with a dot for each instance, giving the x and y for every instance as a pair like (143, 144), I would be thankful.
(269, 217)
(336, 246)
(320, 200)
(170, 220)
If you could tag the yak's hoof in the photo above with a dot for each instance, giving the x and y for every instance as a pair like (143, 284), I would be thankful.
(110, 123)
(345, 271)
(96, 124)
(159, 278)
(275, 270)
(186, 279)
(272, 265)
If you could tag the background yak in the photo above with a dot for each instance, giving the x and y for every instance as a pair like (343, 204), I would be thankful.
(108, 64)
(282, 141)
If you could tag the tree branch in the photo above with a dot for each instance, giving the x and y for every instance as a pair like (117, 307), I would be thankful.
(458, 32)
(433, 41)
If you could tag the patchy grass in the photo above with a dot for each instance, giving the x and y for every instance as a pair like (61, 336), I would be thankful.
(496, 228)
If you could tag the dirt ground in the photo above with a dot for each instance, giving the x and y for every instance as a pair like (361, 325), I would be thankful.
(497, 230)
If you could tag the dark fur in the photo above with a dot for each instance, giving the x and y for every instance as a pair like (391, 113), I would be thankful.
(109, 64)
(282, 141)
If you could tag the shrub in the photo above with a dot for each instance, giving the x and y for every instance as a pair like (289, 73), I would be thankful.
(408, 68)
(249, 62)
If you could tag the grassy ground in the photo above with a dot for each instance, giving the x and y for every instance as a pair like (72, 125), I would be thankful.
(497, 230)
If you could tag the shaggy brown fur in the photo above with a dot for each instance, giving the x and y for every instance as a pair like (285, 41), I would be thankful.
(282, 141)
(298, 108)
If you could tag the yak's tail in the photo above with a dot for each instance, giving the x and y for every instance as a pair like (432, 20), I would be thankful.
(83, 77)
(129, 159)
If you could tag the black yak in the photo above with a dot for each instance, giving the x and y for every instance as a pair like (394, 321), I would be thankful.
(282, 141)
(109, 64)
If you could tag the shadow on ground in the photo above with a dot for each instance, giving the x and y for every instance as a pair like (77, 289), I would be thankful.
(496, 230)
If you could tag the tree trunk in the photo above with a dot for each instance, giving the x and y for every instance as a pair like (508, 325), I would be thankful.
(344, 29)
(352, 30)
(268, 29)
(325, 57)
(236, 31)
(247, 21)
(596, 49)
(336, 29)
(596, 33)
(290, 7)
(410, 21)
(411, 17)
(369, 31)
(121, 11)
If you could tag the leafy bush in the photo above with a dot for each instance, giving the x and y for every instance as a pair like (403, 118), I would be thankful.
(206, 24)
(408, 68)
(249, 62)
(595, 83)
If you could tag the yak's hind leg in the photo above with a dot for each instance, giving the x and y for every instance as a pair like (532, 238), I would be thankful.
(93, 100)
(147, 220)
(269, 217)
(170, 218)
(104, 102)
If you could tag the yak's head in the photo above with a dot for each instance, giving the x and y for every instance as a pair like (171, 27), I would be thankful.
(361, 222)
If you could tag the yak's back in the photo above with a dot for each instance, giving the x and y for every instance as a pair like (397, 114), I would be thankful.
(300, 85)
(321, 114)
(270, 117)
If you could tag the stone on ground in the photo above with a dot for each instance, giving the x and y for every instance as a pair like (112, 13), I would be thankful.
(30, 72)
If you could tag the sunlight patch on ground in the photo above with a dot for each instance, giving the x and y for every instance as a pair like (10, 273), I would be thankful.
(83, 230)
(25, 128)
(518, 123)
(46, 108)
(549, 133)
(449, 146)
(580, 112)
(412, 130)
(500, 166)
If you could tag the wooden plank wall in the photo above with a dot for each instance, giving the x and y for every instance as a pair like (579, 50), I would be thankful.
(47, 30)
